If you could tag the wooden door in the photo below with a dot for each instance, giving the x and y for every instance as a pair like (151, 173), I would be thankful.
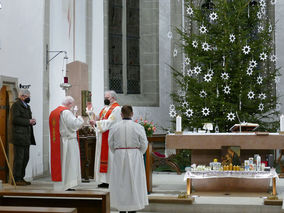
(3, 121)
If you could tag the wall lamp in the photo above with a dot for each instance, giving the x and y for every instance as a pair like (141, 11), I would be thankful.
(56, 52)
(65, 85)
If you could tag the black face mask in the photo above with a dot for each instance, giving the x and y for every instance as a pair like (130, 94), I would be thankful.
(27, 100)
(107, 102)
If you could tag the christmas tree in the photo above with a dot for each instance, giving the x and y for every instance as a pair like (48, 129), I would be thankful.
(229, 65)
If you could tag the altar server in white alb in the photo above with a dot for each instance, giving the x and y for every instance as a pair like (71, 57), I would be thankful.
(65, 153)
(128, 142)
(108, 116)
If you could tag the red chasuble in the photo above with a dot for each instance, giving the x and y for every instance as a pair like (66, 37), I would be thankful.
(104, 148)
(54, 129)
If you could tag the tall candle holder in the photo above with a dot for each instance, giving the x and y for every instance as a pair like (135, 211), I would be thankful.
(90, 113)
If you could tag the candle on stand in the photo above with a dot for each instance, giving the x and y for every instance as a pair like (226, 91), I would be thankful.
(282, 123)
(178, 124)
(75, 110)
(89, 112)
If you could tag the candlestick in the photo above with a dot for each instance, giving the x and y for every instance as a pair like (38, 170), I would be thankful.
(89, 112)
(75, 110)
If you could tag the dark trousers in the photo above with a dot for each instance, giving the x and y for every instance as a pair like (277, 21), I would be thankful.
(21, 159)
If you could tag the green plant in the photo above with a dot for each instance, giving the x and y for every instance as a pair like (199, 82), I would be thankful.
(148, 126)
(183, 158)
(229, 61)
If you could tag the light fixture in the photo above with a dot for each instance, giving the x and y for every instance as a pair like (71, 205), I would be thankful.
(65, 85)
(0, 5)
(56, 52)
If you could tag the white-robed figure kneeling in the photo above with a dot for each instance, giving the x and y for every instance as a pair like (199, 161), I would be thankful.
(65, 152)
(128, 142)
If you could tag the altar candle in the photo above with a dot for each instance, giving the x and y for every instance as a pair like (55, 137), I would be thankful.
(178, 124)
(281, 123)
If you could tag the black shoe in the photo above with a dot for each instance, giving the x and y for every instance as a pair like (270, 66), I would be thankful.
(21, 183)
(103, 185)
(27, 182)
(70, 189)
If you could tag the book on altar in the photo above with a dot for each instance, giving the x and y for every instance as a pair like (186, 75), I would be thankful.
(245, 127)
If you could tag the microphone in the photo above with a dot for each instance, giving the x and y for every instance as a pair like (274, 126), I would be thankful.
(239, 121)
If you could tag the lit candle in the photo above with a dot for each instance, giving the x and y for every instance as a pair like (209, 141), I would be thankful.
(281, 123)
(75, 110)
(89, 112)
(178, 124)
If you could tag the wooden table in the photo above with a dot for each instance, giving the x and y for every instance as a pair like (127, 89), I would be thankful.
(217, 140)
(206, 147)
(225, 176)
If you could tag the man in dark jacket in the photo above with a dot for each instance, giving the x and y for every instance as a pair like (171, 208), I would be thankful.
(22, 135)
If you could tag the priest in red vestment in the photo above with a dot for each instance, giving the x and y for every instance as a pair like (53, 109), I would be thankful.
(108, 116)
(64, 146)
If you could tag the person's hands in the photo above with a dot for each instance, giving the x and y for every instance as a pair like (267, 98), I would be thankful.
(32, 121)
(92, 122)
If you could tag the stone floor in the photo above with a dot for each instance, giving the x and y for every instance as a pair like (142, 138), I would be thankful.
(170, 185)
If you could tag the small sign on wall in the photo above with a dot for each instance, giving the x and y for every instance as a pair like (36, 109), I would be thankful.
(24, 86)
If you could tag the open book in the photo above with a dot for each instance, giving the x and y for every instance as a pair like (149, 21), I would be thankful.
(245, 127)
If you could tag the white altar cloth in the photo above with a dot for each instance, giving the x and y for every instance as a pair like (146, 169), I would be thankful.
(231, 174)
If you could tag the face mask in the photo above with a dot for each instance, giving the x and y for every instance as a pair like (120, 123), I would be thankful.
(107, 102)
(27, 100)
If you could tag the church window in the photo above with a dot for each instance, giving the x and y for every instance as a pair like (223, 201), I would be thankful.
(124, 50)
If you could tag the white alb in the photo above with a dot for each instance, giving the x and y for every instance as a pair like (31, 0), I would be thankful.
(70, 153)
(128, 189)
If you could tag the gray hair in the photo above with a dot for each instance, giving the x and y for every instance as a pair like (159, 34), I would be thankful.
(24, 92)
(112, 94)
(67, 101)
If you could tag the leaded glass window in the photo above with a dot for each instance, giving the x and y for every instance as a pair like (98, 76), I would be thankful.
(124, 50)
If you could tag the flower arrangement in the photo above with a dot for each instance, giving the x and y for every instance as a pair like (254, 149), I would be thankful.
(148, 126)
